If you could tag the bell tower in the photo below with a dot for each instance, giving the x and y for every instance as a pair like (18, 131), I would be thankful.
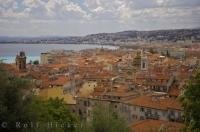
(21, 61)
(137, 60)
(144, 61)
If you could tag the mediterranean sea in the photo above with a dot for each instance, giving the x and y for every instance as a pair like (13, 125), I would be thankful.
(33, 51)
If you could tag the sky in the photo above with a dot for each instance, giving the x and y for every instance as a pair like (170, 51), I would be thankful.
(82, 17)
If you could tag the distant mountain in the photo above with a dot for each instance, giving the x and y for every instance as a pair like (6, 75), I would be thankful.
(114, 38)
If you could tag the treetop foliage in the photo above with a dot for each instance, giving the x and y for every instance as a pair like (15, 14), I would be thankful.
(191, 103)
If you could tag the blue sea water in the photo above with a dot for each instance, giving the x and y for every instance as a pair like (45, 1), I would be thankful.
(11, 59)
(33, 51)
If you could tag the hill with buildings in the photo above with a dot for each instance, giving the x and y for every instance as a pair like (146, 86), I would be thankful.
(119, 38)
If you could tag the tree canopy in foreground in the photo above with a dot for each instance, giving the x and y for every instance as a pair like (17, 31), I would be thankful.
(21, 111)
(105, 119)
(191, 103)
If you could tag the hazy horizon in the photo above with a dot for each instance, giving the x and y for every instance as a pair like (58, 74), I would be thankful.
(45, 36)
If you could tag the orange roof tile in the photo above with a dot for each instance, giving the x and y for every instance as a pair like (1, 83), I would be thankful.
(61, 80)
(150, 125)
(174, 91)
(54, 65)
(147, 101)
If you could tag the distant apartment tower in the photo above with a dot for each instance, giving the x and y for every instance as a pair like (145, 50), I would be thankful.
(20, 61)
(46, 58)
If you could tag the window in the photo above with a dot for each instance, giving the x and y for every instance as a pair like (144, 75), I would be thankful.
(161, 88)
(156, 113)
(142, 109)
(141, 118)
(179, 114)
(85, 103)
(149, 110)
(134, 116)
(80, 112)
(134, 108)
(143, 65)
(163, 113)
(164, 89)
(172, 113)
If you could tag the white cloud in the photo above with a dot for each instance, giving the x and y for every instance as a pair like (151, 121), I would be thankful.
(98, 9)
(64, 7)
(33, 3)
(42, 9)
(100, 14)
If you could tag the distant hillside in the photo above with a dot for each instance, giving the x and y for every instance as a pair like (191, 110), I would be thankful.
(114, 38)
(157, 35)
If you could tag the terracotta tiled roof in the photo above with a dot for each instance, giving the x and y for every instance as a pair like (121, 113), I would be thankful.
(61, 80)
(174, 91)
(156, 125)
(156, 103)
(54, 65)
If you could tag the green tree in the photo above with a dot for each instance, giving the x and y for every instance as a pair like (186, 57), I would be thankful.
(36, 62)
(52, 115)
(105, 119)
(191, 103)
(12, 96)
(19, 108)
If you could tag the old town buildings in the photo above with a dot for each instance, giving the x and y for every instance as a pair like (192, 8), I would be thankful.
(141, 86)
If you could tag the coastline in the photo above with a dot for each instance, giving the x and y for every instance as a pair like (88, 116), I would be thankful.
(8, 51)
